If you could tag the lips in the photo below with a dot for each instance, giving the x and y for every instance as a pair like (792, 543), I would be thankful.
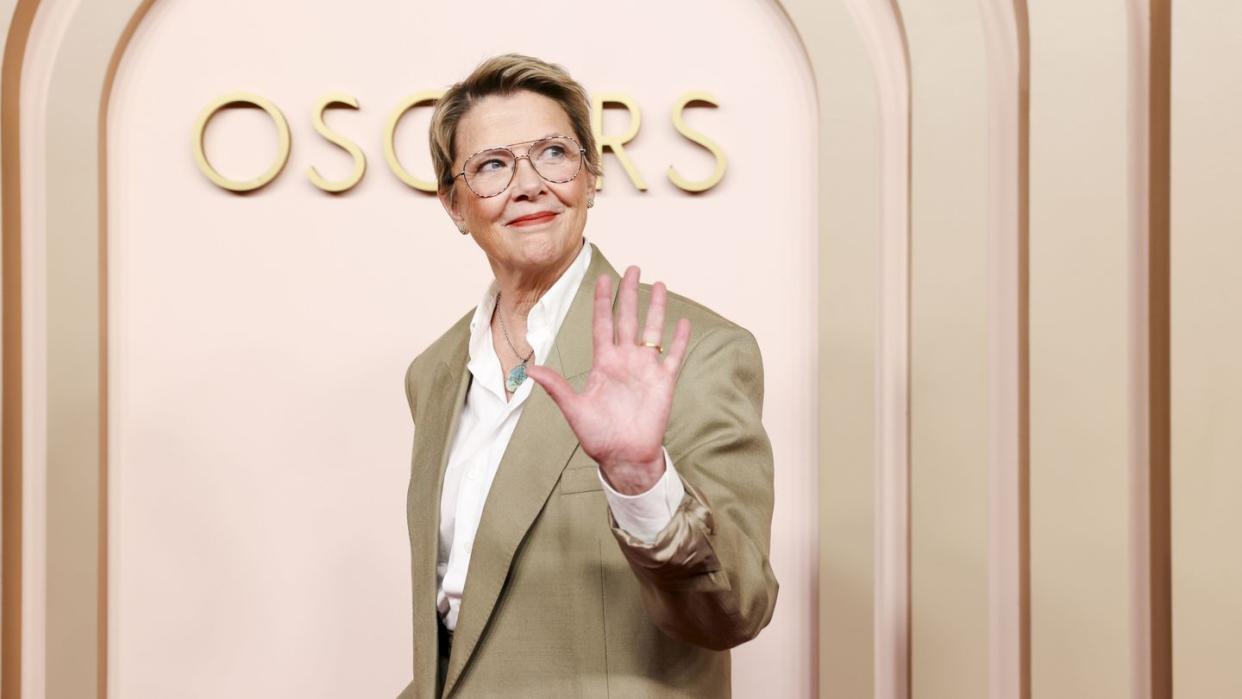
(532, 219)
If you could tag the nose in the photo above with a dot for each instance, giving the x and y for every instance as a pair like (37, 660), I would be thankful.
(525, 179)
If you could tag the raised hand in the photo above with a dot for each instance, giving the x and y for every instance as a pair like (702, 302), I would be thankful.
(622, 413)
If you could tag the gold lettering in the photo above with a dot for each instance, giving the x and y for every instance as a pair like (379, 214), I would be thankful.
(337, 99)
(282, 150)
(616, 143)
(418, 99)
(694, 136)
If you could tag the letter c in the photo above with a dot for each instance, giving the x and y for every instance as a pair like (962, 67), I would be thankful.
(418, 99)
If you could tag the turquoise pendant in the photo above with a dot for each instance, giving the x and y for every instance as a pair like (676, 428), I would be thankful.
(516, 376)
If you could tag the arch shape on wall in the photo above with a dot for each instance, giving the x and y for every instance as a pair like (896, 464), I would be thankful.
(851, 209)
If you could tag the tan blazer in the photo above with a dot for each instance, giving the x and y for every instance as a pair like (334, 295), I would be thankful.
(559, 602)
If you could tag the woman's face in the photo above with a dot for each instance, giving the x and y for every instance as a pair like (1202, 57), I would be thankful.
(534, 226)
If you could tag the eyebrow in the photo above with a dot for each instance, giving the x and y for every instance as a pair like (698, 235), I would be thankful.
(518, 143)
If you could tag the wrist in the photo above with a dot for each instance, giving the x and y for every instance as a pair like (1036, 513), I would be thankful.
(633, 478)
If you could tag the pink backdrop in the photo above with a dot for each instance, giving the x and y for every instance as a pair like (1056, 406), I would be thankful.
(259, 433)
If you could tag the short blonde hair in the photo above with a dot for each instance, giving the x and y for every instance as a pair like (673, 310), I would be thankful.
(504, 75)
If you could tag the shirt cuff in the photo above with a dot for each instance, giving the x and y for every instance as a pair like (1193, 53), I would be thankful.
(646, 514)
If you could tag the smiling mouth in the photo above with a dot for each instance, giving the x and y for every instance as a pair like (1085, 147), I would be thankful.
(533, 219)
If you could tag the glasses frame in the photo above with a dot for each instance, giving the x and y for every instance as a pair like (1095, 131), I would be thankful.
(516, 158)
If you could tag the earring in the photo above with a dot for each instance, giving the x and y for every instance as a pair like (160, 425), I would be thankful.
(590, 202)
(462, 230)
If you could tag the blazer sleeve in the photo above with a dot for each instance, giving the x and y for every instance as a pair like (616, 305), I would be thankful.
(706, 578)
(411, 392)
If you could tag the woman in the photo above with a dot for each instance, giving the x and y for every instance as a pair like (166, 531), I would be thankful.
(589, 513)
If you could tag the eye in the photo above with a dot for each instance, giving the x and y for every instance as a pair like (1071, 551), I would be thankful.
(554, 151)
(490, 162)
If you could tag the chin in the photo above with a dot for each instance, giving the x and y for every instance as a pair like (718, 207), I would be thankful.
(543, 246)
(528, 256)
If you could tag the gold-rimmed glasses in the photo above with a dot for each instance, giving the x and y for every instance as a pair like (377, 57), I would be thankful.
(489, 172)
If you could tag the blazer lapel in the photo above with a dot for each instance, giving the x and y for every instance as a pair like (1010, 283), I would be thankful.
(541, 445)
(429, 460)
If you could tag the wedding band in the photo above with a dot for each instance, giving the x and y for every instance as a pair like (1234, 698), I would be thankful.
(659, 348)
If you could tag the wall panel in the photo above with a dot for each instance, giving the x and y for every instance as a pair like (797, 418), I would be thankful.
(1079, 482)
(949, 349)
(1206, 348)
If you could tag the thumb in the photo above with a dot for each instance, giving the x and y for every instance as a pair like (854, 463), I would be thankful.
(557, 387)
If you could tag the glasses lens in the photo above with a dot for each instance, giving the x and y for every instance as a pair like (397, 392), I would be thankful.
(488, 173)
(556, 159)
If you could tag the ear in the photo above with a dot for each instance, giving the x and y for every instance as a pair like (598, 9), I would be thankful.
(450, 207)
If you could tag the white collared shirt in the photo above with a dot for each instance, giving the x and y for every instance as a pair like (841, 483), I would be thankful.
(486, 424)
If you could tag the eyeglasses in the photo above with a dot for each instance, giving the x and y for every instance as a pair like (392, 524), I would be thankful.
(557, 159)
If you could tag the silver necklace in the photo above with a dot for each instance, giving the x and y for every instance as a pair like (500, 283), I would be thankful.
(518, 373)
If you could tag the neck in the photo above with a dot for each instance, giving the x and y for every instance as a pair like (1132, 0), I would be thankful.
(521, 290)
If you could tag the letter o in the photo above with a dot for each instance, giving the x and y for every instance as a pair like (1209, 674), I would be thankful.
(282, 130)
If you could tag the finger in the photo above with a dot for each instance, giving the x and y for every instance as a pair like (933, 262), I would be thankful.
(627, 308)
(557, 387)
(677, 351)
(602, 326)
(653, 330)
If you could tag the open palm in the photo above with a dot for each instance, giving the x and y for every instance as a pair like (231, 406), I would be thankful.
(621, 415)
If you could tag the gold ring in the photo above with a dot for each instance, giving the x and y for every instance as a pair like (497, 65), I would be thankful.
(658, 346)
